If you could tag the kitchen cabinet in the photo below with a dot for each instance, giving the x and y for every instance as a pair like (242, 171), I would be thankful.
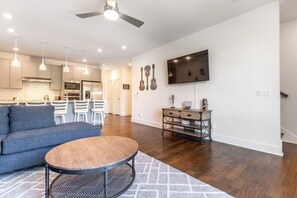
(67, 76)
(96, 75)
(15, 77)
(77, 73)
(56, 76)
(4, 74)
(44, 74)
(86, 76)
(30, 69)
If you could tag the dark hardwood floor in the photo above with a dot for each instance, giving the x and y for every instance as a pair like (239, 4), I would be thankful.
(239, 172)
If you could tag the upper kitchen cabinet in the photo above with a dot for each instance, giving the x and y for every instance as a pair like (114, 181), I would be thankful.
(4, 74)
(44, 73)
(30, 69)
(77, 73)
(15, 77)
(67, 76)
(85, 76)
(96, 75)
(56, 76)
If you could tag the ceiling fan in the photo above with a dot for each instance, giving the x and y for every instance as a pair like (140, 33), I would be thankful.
(112, 12)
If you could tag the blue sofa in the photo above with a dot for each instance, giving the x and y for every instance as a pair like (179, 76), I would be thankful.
(27, 133)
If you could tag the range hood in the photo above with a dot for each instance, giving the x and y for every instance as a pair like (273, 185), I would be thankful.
(35, 79)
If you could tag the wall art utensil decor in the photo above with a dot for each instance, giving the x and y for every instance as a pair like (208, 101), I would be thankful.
(141, 83)
(147, 70)
(153, 81)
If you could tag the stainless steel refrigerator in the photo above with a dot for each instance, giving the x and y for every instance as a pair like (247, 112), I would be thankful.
(91, 90)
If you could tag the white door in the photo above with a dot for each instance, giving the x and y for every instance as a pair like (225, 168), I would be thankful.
(109, 97)
(116, 97)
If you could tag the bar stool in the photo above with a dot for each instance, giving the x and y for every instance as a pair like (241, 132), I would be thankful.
(98, 109)
(8, 103)
(81, 108)
(60, 109)
(36, 103)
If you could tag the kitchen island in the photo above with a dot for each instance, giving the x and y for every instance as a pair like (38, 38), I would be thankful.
(70, 109)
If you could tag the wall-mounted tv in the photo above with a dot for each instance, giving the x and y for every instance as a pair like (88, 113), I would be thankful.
(188, 68)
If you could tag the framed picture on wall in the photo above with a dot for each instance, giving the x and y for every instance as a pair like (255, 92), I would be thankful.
(126, 86)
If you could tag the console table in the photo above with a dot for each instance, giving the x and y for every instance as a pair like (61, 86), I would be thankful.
(191, 122)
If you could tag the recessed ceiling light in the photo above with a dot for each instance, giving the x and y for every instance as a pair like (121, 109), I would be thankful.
(99, 50)
(124, 47)
(7, 16)
(10, 30)
(130, 64)
(188, 57)
(84, 60)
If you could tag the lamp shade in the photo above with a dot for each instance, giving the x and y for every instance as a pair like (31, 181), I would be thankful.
(42, 66)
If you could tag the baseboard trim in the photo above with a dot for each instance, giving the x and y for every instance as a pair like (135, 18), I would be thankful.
(145, 122)
(286, 131)
(258, 146)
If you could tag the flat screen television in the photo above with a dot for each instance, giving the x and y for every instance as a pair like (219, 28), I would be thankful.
(188, 68)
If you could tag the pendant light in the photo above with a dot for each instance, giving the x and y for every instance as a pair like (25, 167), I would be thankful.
(66, 68)
(86, 72)
(42, 66)
(15, 62)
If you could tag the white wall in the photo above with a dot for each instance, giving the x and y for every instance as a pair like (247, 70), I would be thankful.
(288, 51)
(244, 57)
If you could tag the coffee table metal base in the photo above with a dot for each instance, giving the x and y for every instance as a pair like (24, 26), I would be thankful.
(111, 183)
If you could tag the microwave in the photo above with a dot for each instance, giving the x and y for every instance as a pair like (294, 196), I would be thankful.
(72, 85)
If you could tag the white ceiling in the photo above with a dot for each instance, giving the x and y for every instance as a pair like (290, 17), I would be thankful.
(54, 21)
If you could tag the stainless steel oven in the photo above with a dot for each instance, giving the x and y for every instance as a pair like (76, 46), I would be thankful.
(72, 95)
(72, 86)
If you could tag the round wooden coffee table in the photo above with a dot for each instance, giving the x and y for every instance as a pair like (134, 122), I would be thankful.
(91, 167)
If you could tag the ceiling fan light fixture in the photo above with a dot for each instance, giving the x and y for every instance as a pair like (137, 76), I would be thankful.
(111, 13)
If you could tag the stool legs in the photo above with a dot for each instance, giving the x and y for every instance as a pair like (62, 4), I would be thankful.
(99, 115)
(77, 115)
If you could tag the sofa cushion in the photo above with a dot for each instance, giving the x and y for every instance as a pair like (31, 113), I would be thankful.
(31, 117)
(4, 119)
(40, 138)
(2, 137)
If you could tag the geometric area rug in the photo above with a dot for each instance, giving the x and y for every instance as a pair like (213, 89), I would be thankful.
(154, 179)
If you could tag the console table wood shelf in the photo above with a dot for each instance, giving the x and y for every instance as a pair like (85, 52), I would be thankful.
(191, 122)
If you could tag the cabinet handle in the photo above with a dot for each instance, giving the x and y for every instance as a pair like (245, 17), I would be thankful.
(189, 115)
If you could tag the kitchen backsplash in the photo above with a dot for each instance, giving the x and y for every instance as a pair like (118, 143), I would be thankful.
(30, 91)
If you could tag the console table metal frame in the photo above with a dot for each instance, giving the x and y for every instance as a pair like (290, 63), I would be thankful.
(172, 122)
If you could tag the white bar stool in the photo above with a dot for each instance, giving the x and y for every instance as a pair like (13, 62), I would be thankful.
(60, 109)
(36, 103)
(98, 109)
(81, 108)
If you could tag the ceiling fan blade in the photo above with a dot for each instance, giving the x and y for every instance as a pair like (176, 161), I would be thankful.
(131, 20)
(89, 14)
